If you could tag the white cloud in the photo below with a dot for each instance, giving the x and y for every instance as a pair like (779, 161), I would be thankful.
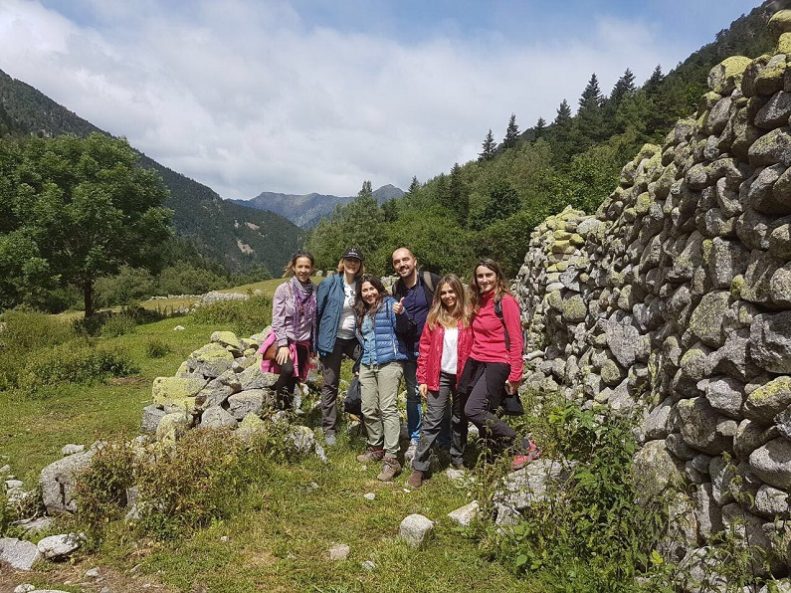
(244, 97)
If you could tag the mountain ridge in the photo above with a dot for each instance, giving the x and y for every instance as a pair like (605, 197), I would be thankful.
(237, 236)
(306, 210)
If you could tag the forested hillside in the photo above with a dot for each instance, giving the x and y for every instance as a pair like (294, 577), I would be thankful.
(236, 237)
(489, 207)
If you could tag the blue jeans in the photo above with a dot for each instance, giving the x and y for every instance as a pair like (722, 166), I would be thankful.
(414, 408)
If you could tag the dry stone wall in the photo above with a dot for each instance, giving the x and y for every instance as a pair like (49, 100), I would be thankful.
(674, 300)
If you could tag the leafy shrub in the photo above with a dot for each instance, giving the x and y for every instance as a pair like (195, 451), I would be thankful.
(23, 332)
(128, 285)
(73, 362)
(186, 279)
(243, 317)
(118, 325)
(591, 534)
(156, 348)
(101, 490)
(185, 487)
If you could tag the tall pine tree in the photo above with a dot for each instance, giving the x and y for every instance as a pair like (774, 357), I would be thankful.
(458, 199)
(488, 147)
(590, 124)
(511, 133)
(539, 129)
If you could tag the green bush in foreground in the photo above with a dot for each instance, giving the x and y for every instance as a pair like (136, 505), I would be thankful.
(590, 534)
(156, 348)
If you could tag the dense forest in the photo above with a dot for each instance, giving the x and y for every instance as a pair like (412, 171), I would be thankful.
(489, 207)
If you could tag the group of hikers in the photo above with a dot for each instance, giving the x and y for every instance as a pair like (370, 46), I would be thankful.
(459, 350)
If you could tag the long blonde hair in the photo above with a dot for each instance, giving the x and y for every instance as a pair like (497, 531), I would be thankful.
(439, 314)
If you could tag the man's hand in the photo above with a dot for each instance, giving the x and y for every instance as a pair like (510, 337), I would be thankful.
(511, 387)
(423, 390)
(398, 308)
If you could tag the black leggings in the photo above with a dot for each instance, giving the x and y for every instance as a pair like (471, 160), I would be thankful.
(284, 388)
(484, 383)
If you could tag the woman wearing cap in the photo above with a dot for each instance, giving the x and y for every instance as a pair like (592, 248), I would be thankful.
(293, 328)
(336, 335)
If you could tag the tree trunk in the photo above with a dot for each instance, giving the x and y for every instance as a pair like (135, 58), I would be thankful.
(87, 293)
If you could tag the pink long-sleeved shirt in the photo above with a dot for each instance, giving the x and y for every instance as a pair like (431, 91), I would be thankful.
(488, 341)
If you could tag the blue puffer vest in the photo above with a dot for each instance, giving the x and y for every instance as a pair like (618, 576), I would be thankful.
(389, 345)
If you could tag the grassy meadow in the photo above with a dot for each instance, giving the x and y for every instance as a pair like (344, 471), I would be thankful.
(284, 521)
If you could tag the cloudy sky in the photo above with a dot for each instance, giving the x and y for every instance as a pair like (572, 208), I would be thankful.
(298, 96)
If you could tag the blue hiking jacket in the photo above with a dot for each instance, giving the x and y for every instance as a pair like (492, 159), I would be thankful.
(329, 306)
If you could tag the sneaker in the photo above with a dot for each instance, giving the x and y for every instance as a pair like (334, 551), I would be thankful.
(390, 469)
(519, 461)
(415, 479)
(329, 440)
(371, 455)
(409, 455)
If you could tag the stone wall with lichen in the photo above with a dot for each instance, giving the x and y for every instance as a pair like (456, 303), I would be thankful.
(674, 301)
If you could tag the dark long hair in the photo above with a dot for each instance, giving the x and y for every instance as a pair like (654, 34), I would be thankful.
(500, 287)
(361, 308)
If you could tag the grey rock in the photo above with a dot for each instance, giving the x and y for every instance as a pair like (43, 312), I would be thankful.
(18, 554)
(622, 340)
(721, 473)
(706, 320)
(529, 485)
(771, 502)
(783, 423)
(414, 529)
(72, 449)
(465, 515)
(770, 335)
(773, 147)
(775, 113)
(698, 572)
(780, 242)
(658, 423)
(676, 445)
(772, 463)
(58, 547)
(253, 378)
(58, 482)
(654, 470)
(247, 402)
(728, 259)
(216, 417)
(749, 436)
(698, 424)
(34, 525)
(152, 415)
(707, 512)
(24, 588)
(780, 286)
(724, 394)
(757, 280)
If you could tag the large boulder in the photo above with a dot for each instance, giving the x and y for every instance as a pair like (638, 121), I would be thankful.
(772, 463)
(177, 392)
(655, 470)
(770, 336)
(59, 479)
(763, 404)
(700, 426)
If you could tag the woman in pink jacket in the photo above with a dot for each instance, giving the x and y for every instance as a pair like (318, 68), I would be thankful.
(495, 362)
(444, 346)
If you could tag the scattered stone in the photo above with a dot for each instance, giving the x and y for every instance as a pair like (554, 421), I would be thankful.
(93, 573)
(369, 496)
(339, 552)
(18, 554)
(465, 515)
(24, 588)
(72, 449)
(455, 474)
(179, 328)
(58, 547)
(58, 481)
(415, 528)
(35, 525)
(368, 565)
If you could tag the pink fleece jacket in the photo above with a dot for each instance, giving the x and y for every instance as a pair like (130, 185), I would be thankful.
(488, 335)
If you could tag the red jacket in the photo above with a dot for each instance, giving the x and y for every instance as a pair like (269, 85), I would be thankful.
(488, 343)
(429, 360)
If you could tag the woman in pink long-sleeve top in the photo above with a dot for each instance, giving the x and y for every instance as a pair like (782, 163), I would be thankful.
(495, 361)
(293, 326)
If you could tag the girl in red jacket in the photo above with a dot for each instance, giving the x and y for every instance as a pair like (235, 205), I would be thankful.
(444, 346)
(495, 361)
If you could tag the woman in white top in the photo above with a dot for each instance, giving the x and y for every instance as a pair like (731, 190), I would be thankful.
(444, 346)
(335, 332)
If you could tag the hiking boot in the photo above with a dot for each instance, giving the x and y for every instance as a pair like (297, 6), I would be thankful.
(371, 455)
(415, 479)
(390, 469)
(531, 454)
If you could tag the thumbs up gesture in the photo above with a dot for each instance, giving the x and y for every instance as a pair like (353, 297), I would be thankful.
(398, 308)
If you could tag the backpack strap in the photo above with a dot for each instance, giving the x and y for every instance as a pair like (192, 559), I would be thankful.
(498, 310)
(428, 281)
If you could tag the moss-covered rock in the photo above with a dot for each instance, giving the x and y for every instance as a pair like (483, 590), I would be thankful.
(706, 320)
(770, 79)
(763, 404)
(727, 75)
(227, 339)
(780, 22)
(172, 427)
(177, 392)
(574, 310)
(611, 373)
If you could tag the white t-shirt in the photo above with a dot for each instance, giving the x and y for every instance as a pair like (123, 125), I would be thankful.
(346, 326)
(450, 351)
